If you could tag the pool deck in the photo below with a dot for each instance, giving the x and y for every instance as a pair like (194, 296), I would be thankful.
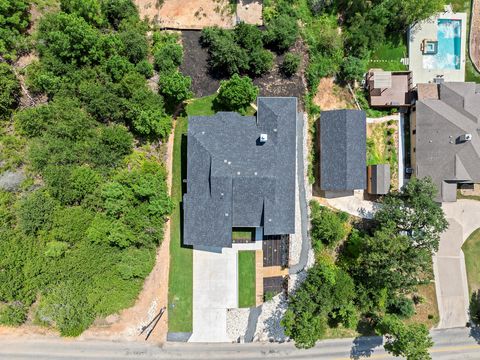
(428, 30)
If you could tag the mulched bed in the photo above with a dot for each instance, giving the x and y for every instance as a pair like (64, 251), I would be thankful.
(274, 83)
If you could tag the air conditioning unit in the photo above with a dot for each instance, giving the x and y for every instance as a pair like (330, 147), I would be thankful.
(263, 138)
(465, 137)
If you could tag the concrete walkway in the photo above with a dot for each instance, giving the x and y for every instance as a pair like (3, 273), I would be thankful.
(354, 205)
(449, 263)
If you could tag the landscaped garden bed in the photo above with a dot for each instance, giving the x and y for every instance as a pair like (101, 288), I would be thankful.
(246, 279)
(382, 145)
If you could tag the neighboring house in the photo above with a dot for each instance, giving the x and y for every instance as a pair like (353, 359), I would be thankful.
(342, 151)
(378, 179)
(389, 88)
(445, 141)
(241, 174)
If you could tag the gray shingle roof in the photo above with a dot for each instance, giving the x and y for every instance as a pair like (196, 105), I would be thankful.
(343, 153)
(439, 123)
(234, 180)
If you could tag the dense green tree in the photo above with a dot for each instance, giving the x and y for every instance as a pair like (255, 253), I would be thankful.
(236, 94)
(290, 64)
(413, 210)
(352, 69)
(409, 341)
(385, 261)
(69, 38)
(327, 293)
(318, 6)
(9, 91)
(153, 123)
(118, 10)
(175, 87)
(281, 33)
(135, 45)
(90, 10)
(118, 67)
(145, 68)
(227, 57)
(14, 18)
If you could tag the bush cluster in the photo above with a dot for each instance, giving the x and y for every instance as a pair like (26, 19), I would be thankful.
(83, 238)
(237, 52)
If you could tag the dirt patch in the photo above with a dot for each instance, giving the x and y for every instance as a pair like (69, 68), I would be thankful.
(274, 83)
(195, 65)
(193, 14)
(250, 11)
(331, 96)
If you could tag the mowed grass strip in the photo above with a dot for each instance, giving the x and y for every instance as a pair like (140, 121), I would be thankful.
(471, 249)
(246, 279)
(180, 290)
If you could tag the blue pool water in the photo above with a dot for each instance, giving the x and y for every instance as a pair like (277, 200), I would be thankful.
(449, 46)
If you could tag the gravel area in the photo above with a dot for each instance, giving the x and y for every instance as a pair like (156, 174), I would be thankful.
(268, 325)
(11, 180)
(237, 322)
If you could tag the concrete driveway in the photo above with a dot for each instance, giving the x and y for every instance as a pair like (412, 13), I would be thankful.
(215, 289)
(449, 263)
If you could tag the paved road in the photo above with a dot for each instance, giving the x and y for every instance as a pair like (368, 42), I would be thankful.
(450, 344)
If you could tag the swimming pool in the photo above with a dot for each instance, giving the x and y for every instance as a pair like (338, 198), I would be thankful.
(449, 36)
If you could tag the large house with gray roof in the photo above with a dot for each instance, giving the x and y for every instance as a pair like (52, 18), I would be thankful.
(445, 136)
(343, 151)
(241, 173)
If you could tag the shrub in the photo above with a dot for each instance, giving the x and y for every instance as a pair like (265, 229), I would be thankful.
(318, 6)
(153, 122)
(281, 32)
(145, 68)
(474, 308)
(135, 46)
(35, 212)
(236, 94)
(226, 57)
(401, 306)
(90, 10)
(290, 64)
(13, 314)
(118, 67)
(168, 57)
(175, 87)
(14, 18)
(327, 227)
(9, 91)
(261, 61)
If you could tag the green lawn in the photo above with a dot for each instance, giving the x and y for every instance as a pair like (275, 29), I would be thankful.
(204, 106)
(381, 148)
(180, 290)
(387, 57)
(246, 279)
(243, 233)
(471, 249)
(201, 106)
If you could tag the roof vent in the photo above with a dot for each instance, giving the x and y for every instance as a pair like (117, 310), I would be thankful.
(465, 137)
(263, 138)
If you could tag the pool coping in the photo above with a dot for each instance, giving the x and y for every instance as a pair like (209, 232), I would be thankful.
(428, 29)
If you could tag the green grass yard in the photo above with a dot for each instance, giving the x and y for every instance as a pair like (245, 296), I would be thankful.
(201, 106)
(387, 57)
(471, 249)
(243, 233)
(246, 279)
(180, 290)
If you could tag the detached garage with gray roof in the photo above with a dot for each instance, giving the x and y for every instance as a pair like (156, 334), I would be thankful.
(241, 173)
(343, 150)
